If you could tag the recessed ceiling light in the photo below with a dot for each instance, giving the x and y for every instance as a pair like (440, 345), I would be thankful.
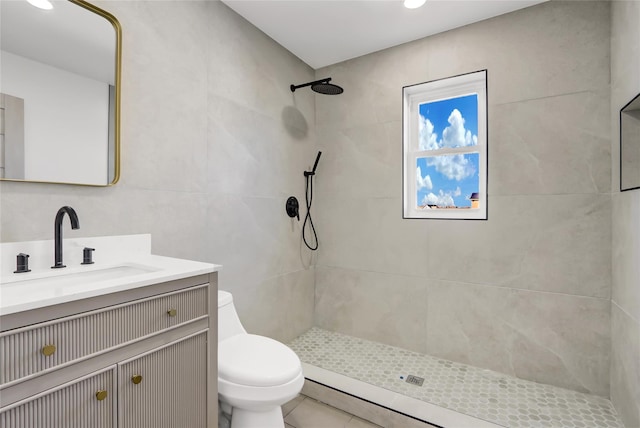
(414, 4)
(41, 4)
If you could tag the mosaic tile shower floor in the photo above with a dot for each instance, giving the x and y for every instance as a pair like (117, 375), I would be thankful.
(484, 394)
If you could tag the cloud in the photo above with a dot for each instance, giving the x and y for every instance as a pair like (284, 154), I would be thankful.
(428, 140)
(454, 167)
(423, 182)
(455, 135)
(442, 199)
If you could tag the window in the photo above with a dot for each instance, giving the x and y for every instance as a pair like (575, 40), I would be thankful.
(445, 148)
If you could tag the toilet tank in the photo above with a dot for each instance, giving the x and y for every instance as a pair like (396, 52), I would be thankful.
(228, 322)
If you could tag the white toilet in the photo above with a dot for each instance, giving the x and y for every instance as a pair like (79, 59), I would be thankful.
(256, 375)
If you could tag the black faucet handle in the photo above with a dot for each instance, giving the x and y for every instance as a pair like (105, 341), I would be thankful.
(293, 207)
(87, 256)
(22, 263)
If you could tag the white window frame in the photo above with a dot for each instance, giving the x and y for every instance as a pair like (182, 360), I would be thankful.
(437, 90)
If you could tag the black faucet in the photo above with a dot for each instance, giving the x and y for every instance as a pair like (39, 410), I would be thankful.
(57, 228)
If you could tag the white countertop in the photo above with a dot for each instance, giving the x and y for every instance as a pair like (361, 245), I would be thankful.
(115, 269)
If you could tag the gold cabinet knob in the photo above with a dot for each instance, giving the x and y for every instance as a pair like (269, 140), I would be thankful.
(101, 395)
(172, 312)
(48, 350)
(136, 379)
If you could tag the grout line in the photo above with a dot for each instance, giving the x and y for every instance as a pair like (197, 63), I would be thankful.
(463, 282)
(564, 94)
(624, 311)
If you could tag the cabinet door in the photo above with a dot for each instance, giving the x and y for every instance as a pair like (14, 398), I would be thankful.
(167, 387)
(86, 402)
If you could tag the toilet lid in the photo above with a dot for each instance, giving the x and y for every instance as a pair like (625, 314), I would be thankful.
(248, 359)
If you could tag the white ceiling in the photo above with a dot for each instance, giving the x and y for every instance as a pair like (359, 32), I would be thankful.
(325, 32)
(68, 37)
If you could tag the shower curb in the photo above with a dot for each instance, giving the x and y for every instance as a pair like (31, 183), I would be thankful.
(361, 408)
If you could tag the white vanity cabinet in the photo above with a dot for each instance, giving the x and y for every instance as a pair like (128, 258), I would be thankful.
(145, 357)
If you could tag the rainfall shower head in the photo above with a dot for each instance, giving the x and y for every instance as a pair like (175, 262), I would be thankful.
(321, 86)
(327, 88)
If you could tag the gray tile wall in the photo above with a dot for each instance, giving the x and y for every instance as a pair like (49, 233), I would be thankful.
(527, 292)
(213, 143)
(625, 299)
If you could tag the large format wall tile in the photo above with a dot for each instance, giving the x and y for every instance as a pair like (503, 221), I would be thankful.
(562, 340)
(277, 307)
(625, 305)
(626, 252)
(162, 214)
(469, 324)
(252, 154)
(370, 234)
(551, 338)
(173, 219)
(375, 306)
(368, 99)
(625, 55)
(163, 102)
(247, 66)
(268, 246)
(525, 52)
(173, 158)
(550, 49)
(361, 162)
(373, 86)
(625, 366)
(558, 243)
(625, 75)
(555, 145)
(29, 209)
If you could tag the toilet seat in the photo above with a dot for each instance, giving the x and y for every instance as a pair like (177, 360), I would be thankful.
(251, 360)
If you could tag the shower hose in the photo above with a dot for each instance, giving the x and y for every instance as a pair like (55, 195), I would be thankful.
(308, 197)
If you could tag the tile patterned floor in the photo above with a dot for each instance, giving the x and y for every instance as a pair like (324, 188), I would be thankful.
(305, 412)
(484, 394)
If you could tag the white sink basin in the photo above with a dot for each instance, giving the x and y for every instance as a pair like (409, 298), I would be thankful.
(72, 278)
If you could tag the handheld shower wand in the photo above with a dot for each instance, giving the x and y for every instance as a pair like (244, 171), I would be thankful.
(308, 195)
(315, 165)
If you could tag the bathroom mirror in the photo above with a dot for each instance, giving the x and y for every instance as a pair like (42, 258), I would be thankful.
(60, 93)
(630, 145)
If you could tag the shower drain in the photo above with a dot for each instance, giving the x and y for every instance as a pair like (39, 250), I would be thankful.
(415, 380)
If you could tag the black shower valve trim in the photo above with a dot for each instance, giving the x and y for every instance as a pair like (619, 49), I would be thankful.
(293, 207)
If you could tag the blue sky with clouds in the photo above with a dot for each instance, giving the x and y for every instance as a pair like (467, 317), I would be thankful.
(448, 180)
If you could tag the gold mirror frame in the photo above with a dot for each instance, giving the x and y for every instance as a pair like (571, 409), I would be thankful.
(117, 94)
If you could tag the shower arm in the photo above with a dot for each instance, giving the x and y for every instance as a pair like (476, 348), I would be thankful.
(304, 85)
